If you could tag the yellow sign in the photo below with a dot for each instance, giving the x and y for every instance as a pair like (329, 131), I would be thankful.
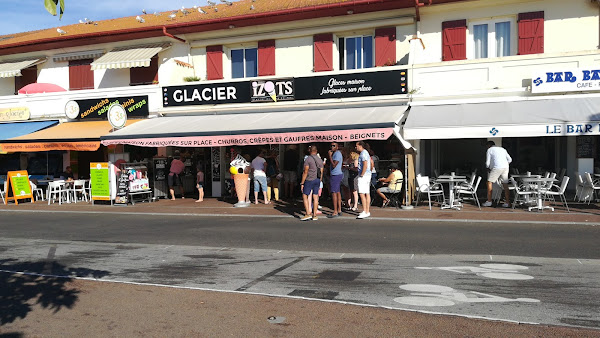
(18, 184)
(14, 114)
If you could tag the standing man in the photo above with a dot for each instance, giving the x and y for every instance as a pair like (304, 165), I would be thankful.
(259, 169)
(311, 181)
(335, 179)
(497, 160)
(290, 168)
(174, 179)
(364, 179)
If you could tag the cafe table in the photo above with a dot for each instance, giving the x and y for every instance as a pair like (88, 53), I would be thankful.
(538, 183)
(451, 181)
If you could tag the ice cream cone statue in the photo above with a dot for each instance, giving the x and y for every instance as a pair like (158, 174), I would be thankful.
(240, 180)
(270, 89)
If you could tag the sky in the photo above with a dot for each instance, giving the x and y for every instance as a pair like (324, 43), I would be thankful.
(27, 15)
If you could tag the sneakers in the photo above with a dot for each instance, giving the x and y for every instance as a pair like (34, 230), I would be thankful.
(385, 203)
(363, 215)
(315, 218)
(487, 204)
(506, 205)
(306, 218)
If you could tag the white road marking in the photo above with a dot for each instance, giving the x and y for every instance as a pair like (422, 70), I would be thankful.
(412, 256)
(491, 259)
(342, 255)
(580, 262)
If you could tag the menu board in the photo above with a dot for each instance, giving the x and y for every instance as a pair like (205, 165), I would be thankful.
(585, 146)
(99, 181)
(160, 169)
(122, 188)
(18, 184)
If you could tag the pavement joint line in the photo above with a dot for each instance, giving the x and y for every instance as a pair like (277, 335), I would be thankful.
(342, 255)
(412, 256)
(491, 259)
(271, 273)
(333, 301)
(580, 262)
(288, 216)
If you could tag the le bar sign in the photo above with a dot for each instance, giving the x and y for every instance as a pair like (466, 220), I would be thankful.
(303, 88)
(98, 108)
(566, 80)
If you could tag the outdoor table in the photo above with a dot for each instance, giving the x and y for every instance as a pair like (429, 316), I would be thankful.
(451, 180)
(539, 182)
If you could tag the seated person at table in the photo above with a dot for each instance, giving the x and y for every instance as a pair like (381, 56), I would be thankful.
(391, 180)
(68, 174)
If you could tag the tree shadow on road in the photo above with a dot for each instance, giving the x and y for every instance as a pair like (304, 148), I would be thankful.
(26, 284)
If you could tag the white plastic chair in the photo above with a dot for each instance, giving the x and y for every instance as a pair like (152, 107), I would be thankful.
(560, 191)
(56, 190)
(2, 193)
(579, 187)
(77, 189)
(424, 187)
(469, 190)
(38, 193)
(591, 187)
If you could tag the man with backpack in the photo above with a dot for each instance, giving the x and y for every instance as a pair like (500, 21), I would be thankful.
(310, 183)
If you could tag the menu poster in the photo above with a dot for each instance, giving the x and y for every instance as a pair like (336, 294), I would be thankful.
(18, 184)
(585, 147)
(122, 188)
(99, 181)
(160, 169)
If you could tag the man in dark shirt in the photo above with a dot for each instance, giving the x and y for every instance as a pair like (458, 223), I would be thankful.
(310, 183)
(68, 174)
(290, 169)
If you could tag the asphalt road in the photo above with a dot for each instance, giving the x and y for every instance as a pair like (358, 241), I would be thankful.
(327, 235)
(517, 272)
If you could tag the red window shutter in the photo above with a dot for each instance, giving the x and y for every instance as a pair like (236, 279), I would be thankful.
(454, 40)
(144, 75)
(81, 75)
(28, 76)
(214, 62)
(266, 57)
(385, 46)
(531, 33)
(323, 52)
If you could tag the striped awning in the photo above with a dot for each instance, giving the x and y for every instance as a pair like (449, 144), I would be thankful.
(129, 57)
(13, 68)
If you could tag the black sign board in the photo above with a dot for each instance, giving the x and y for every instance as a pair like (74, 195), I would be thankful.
(393, 82)
(160, 169)
(122, 188)
(585, 147)
(135, 106)
(351, 85)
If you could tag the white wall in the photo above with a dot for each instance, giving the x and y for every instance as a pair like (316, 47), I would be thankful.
(294, 56)
(198, 59)
(7, 86)
(54, 72)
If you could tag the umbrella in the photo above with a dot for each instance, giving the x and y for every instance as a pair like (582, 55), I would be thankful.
(35, 88)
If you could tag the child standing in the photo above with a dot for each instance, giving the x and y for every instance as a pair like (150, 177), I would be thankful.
(200, 183)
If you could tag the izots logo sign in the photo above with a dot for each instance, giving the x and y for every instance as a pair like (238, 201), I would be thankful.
(566, 81)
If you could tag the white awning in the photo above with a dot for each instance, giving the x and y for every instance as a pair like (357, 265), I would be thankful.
(528, 118)
(88, 54)
(13, 68)
(129, 57)
(300, 126)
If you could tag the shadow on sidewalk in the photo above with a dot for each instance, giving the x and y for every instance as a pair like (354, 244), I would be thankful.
(19, 292)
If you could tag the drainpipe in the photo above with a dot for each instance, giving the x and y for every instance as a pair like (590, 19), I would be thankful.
(417, 5)
(164, 29)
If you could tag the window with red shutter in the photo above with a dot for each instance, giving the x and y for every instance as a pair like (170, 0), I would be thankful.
(81, 75)
(144, 75)
(266, 57)
(323, 52)
(531, 33)
(28, 76)
(214, 62)
(385, 46)
(454, 40)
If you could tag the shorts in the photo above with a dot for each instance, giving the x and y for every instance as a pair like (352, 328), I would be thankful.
(498, 175)
(311, 187)
(200, 185)
(260, 182)
(174, 180)
(335, 182)
(352, 180)
(290, 176)
(387, 190)
(364, 184)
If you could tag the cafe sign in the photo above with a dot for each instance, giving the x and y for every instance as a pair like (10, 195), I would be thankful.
(14, 114)
(566, 80)
(97, 109)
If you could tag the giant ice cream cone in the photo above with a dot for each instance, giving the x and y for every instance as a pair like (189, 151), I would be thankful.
(241, 187)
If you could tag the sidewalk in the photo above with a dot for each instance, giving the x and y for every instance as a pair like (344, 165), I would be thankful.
(580, 213)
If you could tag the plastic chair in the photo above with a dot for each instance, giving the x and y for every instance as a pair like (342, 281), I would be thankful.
(469, 190)
(560, 191)
(38, 193)
(590, 186)
(424, 187)
(579, 187)
(56, 190)
(78, 188)
(393, 195)
(519, 192)
(2, 193)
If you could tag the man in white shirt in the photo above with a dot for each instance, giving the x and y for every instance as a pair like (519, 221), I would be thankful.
(497, 161)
